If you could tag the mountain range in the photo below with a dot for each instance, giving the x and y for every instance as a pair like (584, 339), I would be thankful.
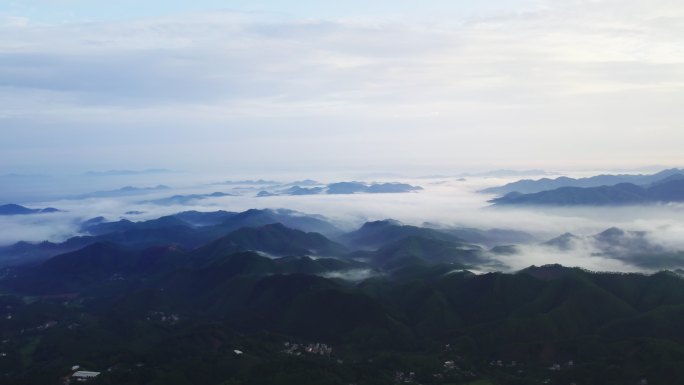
(187, 230)
(180, 200)
(14, 209)
(278, 296)
(342, 188)
(666, 191)
(528, 186)
(264, 296)
(229, 316)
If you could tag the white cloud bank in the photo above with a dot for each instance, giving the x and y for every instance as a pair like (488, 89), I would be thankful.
(596, 83)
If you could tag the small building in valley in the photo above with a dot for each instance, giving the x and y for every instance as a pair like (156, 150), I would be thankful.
(84, 375)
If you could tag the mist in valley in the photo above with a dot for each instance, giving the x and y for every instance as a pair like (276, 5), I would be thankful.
(443, 203)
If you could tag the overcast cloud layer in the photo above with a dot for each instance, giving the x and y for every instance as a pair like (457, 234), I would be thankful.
(550, 84)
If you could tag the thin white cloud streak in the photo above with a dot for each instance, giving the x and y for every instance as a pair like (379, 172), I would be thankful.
(354, 275)
(574, 82)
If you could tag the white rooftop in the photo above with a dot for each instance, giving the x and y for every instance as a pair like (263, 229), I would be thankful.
(85, 374)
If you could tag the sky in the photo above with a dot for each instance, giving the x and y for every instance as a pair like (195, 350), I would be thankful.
(311, 86)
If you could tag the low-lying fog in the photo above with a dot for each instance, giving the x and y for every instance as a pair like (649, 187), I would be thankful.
(444, 202)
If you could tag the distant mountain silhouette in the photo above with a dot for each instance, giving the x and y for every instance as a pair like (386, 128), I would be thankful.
(374, 188)
(186, 199)
(620, 194)
(385, 188)
(528, 186)
(122, 192)
(343, 188)
(346, 188)
(14, 209)
(289, 218)
(297, 190)
(562, 242)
